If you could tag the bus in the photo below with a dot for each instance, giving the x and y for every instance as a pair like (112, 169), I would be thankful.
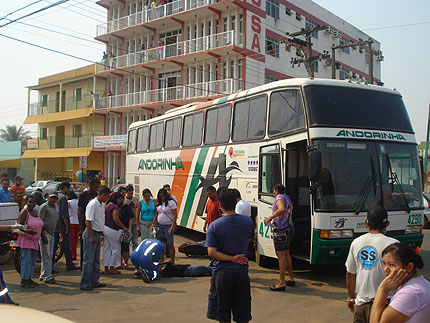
(339, 147)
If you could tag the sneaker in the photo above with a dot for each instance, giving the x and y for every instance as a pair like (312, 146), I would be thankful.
(26, 284)
(41, 278)
(145, 276)
(23, 283)
(49, 281)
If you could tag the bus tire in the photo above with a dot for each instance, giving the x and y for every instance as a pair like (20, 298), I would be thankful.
(426, 222)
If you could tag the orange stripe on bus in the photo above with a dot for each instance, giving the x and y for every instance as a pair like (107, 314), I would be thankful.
(194, 221)
(213, 155)
(180, 177)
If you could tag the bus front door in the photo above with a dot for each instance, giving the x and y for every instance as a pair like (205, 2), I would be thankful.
(269, 174)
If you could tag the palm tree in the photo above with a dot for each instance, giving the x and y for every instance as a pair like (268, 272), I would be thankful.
(11, 133)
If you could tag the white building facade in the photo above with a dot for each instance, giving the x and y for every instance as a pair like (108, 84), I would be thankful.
(185, 51)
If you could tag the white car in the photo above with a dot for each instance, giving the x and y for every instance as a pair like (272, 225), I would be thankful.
(426, 202)
(39, 184)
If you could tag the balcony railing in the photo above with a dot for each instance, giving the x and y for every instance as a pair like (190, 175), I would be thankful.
(52, 106)
(150, 14)
(183, 92)
(192, 46)
(66, 141)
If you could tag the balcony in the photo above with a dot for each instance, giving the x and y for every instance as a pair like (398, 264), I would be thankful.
(177, 50)
(150, 14)
(53, 106)
(57, 142)
(171, 94)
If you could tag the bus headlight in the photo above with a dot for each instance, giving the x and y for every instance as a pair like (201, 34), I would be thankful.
(336, 234)
(413, 229)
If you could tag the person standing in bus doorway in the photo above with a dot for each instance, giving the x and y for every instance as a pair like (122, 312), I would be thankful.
(283, 230)
(364, 264)
(212, 207)
(227, 243)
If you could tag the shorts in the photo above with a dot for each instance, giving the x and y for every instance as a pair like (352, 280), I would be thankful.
(230, 292)
(125, 247)
(163, 230)
(361, 313)
(284, 245)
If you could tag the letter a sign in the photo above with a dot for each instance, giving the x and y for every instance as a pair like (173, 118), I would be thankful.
(83, 162)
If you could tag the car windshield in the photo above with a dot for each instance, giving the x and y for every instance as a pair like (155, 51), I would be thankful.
(355, 175)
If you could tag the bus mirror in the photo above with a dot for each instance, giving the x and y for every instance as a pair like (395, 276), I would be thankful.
(315, 161)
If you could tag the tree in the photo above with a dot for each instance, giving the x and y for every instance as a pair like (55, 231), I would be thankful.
(11, 133)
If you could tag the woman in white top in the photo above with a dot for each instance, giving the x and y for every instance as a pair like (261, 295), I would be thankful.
(74, 223)
(166, 218)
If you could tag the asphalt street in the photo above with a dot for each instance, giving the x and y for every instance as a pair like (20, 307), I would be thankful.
(319, 295)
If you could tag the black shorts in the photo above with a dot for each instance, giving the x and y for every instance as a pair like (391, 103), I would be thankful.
(125, 247)
(230, 292)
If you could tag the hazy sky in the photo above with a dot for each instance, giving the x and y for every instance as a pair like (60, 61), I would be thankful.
(406, 48)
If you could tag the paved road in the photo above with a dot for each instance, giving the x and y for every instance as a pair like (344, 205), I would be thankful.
(318, 297)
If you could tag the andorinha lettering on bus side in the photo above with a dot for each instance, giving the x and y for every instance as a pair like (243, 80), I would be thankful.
(370, 134)
(161, 164)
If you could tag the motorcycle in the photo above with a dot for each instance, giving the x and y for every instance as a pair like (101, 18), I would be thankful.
(6, 252)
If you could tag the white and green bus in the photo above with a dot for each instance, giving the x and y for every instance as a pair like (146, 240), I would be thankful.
(339, 147)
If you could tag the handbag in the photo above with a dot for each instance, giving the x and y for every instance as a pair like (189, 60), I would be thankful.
(281, 235)
(125, 237)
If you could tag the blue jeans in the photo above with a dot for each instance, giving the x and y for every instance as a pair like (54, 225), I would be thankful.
(91, 264)
(67, 249)
(196, 271)
(28, 259)
(135, 237)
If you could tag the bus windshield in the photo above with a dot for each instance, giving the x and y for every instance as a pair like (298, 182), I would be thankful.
(356, 108)
(355, 175)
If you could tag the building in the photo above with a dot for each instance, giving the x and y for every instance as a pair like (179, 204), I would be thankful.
(11, 162)
(195, 50)
(67, 125)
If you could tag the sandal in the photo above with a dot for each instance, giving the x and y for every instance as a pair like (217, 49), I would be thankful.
(277, 288)
(290, 283)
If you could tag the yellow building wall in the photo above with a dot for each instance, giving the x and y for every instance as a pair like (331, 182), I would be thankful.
(50, 168)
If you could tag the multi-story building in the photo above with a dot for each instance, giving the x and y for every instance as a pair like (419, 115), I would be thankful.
(67, 126)
(161, 55)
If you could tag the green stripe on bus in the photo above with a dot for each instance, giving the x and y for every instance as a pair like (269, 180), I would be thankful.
(223, 99)
(194, 183)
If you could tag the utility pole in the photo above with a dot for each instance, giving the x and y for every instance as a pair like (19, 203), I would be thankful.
(308, 59)
(360, 43)
(426, 152)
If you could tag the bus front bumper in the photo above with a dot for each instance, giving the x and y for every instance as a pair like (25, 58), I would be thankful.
(335, 251)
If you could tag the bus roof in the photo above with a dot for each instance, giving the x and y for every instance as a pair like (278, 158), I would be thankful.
(266, 87)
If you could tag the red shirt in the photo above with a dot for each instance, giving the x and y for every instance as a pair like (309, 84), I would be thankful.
(212, 210)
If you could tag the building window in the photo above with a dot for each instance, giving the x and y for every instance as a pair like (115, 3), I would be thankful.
(269, 79)
(343, 41)
(272, 47)
(288, 48)
(272, 8)
(43, 133)
(44, 100)
(343, 74)
(77, 130)
(77, 95)
(310, 24)
(298, 16)
(288, 11)
(315, 64)
(366, 57)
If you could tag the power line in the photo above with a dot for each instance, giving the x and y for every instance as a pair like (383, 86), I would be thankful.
(79, 13)
(12, 12)
(34, 12)
(398, 26)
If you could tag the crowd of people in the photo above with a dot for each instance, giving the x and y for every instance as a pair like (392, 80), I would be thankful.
(376, 266)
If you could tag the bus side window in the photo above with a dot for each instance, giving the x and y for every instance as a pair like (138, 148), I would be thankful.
(142, 139)
(156, 136)
(218, 124)
(131, 148)
(249, 120)
(286, 112)
(193, 129)
(173, 133)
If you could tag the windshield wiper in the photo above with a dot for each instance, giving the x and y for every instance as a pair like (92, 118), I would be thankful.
(364, 193)
(395, 183)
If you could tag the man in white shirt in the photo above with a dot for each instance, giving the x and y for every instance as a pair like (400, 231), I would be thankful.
(242, 206)
(95, 221)
(364, 264)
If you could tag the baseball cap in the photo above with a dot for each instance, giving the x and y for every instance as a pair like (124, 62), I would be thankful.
(18, 178)
(377, 214)
(53, 193)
